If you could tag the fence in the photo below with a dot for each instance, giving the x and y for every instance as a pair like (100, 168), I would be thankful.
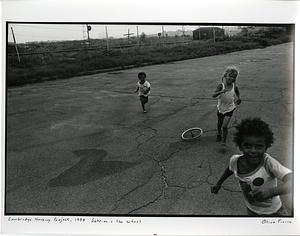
(100, 49)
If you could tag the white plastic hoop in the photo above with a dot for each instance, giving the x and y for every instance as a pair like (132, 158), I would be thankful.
(191, 134)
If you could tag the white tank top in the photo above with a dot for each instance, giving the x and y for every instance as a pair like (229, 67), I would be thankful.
(226, 100)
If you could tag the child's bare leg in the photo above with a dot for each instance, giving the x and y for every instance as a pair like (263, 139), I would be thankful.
(219, 127)
(144, 100)
(225, 128)
(220, 123)
(143, 105)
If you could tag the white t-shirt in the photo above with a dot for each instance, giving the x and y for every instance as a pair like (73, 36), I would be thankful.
(265, 176)
(143, 87)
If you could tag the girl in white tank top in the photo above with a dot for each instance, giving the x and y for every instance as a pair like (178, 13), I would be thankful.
(228, 98)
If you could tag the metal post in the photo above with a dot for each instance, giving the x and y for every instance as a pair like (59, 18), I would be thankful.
(107, 43)
(137, 35)
(88, 33)
(83, 32)
(15, 44)
(128, 34)
(163, 35)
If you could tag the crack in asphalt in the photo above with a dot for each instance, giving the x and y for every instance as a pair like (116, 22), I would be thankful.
(131, 191)
(141, 134)
(155, 101)
(210, 172)
(160, 162)
(164, 178)
(163, 175)
(146, 205)
(286, 108)
(140, 154)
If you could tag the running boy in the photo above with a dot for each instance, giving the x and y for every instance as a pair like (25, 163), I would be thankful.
(143, 87)
(256, 170)
(228, 98)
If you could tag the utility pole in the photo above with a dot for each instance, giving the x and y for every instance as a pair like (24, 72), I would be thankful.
(107, 43)
(88, 28)
(128, 35)
(214, 34)
(163, 35)
(199, 33)
(83, 32)
(15, 44)
(137, 35)
(183, 30)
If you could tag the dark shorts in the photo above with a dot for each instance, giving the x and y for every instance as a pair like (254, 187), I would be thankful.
(229, 114)
(143, 99)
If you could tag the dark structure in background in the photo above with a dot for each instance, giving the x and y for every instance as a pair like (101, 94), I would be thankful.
(290, 30)
(206, 33)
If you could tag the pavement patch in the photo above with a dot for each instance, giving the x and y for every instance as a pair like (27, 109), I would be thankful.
(90, 168)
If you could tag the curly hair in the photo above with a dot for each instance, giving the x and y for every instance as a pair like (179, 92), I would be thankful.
(233, 71)
(253, 127)
(142, 75)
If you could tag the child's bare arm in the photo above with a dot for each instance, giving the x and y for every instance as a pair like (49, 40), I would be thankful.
(219, 90)
(137, 89)
(147, 91)
(237, 93)
(227, 173)
(285, 188)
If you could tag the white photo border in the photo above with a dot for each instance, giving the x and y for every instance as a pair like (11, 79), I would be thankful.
(281, 12)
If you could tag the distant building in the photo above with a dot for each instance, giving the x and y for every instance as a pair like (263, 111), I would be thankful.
(231, 30)
(206, 33)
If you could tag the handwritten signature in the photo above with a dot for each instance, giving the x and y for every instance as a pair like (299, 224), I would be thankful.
(277, 221)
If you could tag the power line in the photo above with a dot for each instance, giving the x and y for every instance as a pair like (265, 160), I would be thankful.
(114, 31)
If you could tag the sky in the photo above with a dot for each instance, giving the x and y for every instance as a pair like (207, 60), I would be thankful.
(53, 32)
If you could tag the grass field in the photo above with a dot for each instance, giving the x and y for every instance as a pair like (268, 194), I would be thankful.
(56, 60)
